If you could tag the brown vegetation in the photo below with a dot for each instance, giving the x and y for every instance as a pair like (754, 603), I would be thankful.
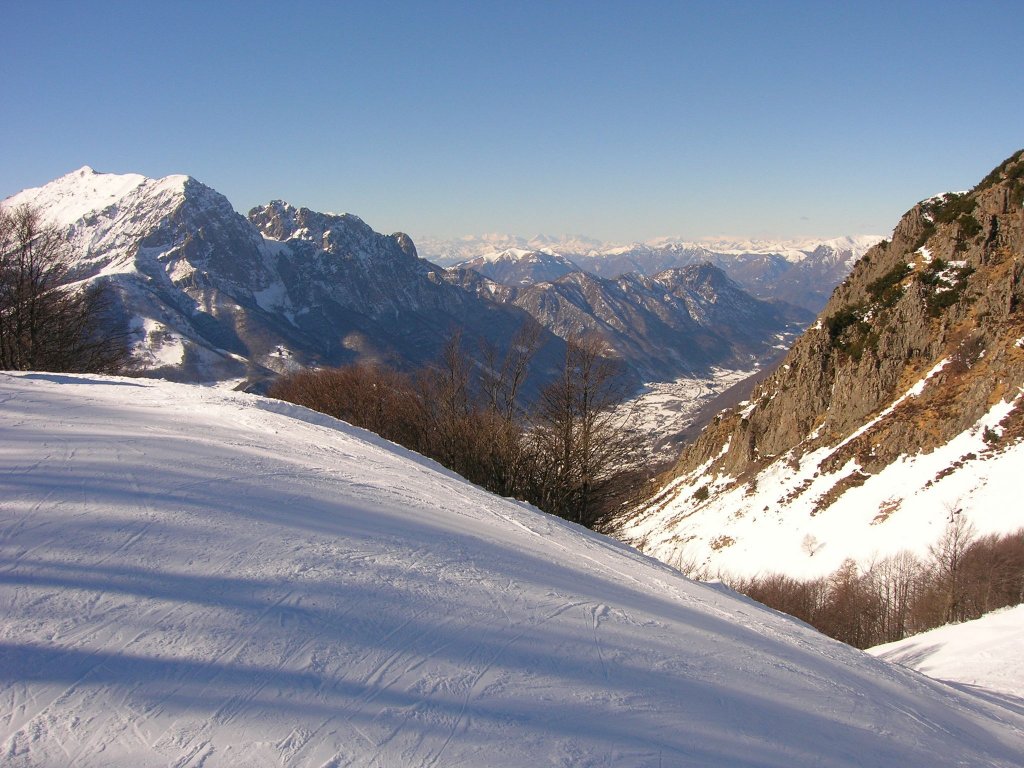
(568, 453)
(963, 577)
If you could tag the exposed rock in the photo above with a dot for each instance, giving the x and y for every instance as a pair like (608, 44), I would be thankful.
(911, 350)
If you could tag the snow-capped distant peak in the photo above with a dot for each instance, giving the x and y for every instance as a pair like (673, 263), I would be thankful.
(519, 254)
(793, 250)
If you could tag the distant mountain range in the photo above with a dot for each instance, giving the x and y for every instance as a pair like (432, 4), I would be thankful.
(802, 272)
(899, 410)
(211, 295)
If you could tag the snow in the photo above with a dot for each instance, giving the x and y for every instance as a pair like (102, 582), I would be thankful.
(756, 529)
(495, 247)
(164, 347)
(509, 254)
(985, 653)
(197, 577)
(793, 250)
(67, 199)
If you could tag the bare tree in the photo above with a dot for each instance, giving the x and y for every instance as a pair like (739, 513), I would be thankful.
(570, 458)
(502, 421)
(46, 324)
(580, 438)
(947, 558)
(896, 581)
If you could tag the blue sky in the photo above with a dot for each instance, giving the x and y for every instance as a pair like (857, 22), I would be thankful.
(623, 121)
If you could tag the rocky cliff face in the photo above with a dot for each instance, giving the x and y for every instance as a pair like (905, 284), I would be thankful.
(921, 344)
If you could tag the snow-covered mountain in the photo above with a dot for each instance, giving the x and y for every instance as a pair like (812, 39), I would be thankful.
(985, 655)
(901, 406)
(213, 295)
(197, 577)
(518, 267)
(801, 272)
(449, 252)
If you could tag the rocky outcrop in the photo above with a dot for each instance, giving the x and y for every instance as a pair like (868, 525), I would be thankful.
(919, 344)
(946, 287)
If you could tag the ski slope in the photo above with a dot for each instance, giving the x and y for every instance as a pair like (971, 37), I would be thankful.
(190, 577)
(987, 653)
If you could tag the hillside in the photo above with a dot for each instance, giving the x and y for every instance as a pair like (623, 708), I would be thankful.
(192, 577)
(680, 324)
(987, 653)
(901, 406)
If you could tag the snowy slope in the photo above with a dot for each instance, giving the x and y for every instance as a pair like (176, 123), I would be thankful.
(192, 577)
(775, 524)
(69, 198)
(984, 653)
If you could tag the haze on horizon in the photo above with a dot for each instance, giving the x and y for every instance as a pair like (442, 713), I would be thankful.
(618, 121)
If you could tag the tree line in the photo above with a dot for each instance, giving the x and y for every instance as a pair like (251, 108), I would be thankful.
(963, 577)
(567, 451)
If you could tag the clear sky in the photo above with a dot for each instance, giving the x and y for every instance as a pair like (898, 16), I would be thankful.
(622, 121)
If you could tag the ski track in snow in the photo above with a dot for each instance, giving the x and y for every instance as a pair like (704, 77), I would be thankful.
(190, 578)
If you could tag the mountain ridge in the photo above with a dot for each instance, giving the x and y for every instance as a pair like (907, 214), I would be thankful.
(801, 273)
(896, 407)
(212, 299)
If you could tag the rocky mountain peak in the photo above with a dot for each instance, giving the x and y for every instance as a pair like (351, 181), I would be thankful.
(340, 235)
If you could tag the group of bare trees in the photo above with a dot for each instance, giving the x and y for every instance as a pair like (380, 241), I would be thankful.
(44, 323)
(566, 452)
(963, 577)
